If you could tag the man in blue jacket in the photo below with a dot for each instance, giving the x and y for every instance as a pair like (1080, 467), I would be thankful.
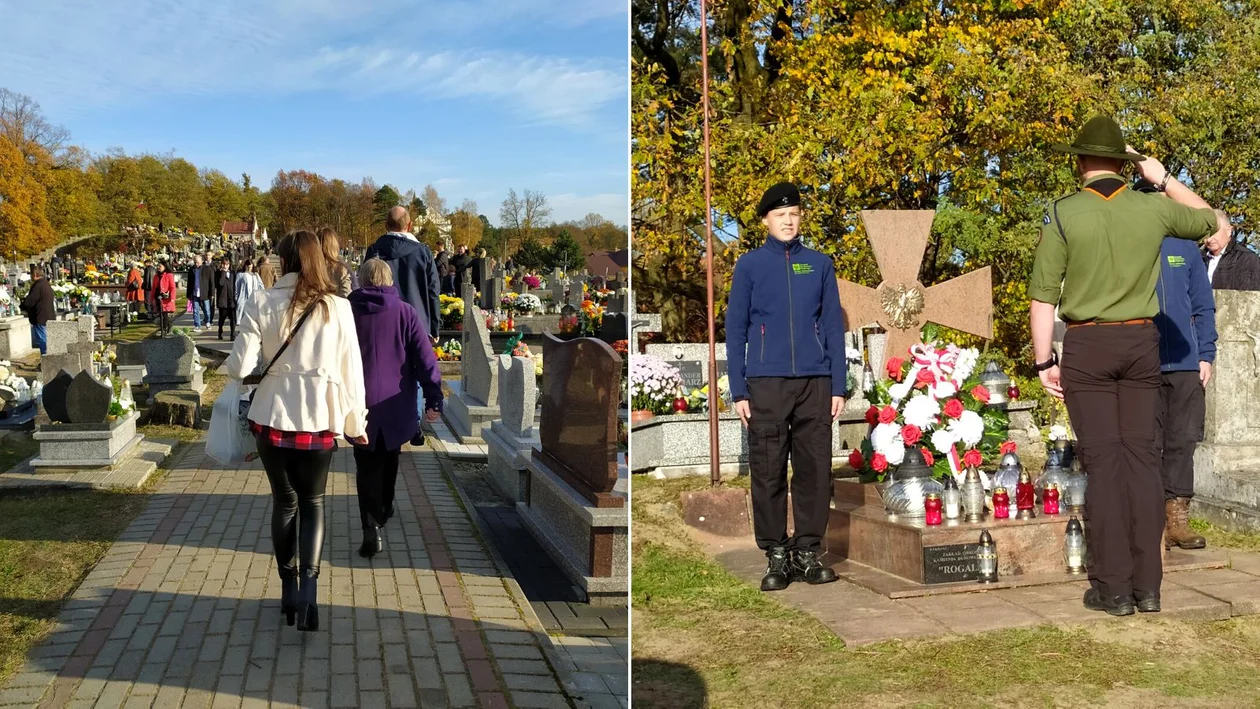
(1187, 349)
(785, 356)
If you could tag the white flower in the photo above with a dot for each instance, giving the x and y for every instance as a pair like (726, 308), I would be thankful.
(886, 438)
(966, 364)
(921, 411)
(897, 453)
(943, 440)
(943, 389)
(969, 428)
(901, 390)
(1057, 432)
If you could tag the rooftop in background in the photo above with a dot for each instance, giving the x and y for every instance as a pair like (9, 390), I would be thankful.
(607, 263)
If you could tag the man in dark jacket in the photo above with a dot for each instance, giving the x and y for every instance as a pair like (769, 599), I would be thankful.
(460, 263)
(39, 309)
(147, 285)
(445, 272)
(787, 371)
(1187, 349)
(200, 291)
(225, 296)
(1230, 264)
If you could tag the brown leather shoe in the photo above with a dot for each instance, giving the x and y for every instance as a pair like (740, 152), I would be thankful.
(1177, 530)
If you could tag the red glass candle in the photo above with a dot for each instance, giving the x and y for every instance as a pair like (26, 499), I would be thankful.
(1001, 504)
(1024, 496)
(1012, 392)
(932, 508)
(1050, 500)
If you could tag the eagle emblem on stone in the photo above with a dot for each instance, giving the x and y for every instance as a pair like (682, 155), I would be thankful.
(902, 305)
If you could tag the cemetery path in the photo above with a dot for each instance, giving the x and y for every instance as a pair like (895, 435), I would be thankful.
(183, 610)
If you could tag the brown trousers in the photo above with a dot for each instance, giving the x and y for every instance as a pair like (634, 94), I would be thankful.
(1111, 381)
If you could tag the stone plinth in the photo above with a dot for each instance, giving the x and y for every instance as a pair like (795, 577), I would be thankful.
(85, 445)
(465, 417)
(15, 337)
(589, 543)
(507, 458)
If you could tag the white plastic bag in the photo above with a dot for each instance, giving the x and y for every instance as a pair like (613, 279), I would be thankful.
(230, 441)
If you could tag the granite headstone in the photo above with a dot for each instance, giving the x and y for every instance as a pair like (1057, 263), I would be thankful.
(518, 394)
(614, 327)
(171, 356)
(87, 400)
(60, 333)
(479, 381)
(54, 396)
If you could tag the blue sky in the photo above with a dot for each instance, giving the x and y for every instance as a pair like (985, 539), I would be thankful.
(472, 96)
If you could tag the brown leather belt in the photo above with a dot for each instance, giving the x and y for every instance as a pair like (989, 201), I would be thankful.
(1137, 321)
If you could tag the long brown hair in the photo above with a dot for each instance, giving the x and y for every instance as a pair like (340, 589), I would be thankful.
(300, 253)
(332, 250)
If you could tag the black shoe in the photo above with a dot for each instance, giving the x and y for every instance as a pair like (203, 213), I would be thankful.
(1147, 601)
(808, 568)
(778, 570)
(307, 611)
(1114, 605)
(418, 439)
(372, 542)
(288, 593)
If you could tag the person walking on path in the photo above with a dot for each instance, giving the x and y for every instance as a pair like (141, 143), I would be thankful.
(306, 362)
(415, 273)
(225, 296)
(398, 360)
(788, 386)
(149, 272)
(1187, 349)
(135, 288)
(39, 308)
(164, 296)
(247, 284)
(200, 291)
(266, 272)
(443, 260)
(338, 269)
(1230, 264)
(1097, 261)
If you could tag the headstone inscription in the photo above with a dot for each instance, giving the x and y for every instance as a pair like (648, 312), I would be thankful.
(578, 428)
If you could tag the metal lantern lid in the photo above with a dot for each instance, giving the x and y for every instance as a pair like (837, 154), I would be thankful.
(973, 475)
(1009, 460)
(913, 465)
(1074, 526)
(986, 539)
(950, 483)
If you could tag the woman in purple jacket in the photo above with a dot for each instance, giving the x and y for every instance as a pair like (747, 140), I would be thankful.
(397, 357)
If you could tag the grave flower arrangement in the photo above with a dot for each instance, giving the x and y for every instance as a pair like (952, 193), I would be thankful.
(449, 351)
(932, 399)
(452, 311)
(698, 399)
(590, 318)
(533, 282)
(654, 384)
(521, 303)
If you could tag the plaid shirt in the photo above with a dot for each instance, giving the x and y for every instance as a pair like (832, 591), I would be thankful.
(298, 440)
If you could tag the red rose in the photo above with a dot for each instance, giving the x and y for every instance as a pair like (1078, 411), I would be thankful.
(872, 415)
(972, 458)
(894, 368)
(1007, 447)
(980, 393)
(925, 376)
(879, 463)
(887, 414)
(855, 460)
(953, 408)
(927, 457)
(911, 434)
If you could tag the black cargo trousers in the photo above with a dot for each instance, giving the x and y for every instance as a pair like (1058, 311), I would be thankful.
(790, 415)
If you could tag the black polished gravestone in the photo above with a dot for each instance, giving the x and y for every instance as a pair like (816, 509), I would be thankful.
(614, 327)
(87, 400)
(54, 397)
(692, 372)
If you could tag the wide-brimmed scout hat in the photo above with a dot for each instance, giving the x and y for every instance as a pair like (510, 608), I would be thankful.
(1101, 137)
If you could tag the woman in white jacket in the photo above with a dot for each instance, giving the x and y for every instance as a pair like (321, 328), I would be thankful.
(310, 395)
(247, 284)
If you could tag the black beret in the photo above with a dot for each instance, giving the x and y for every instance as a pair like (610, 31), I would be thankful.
(781, 195)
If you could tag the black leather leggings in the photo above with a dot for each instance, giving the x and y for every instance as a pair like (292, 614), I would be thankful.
(298, 479)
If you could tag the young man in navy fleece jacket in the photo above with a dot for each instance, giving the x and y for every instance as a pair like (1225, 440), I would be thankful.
(785, 355)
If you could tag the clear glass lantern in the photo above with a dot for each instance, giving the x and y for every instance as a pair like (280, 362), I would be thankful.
(1074, 547)
(986, 555)
(951, 498)
(1052, 474)
(973, 495)
(910, 486)
(1007, 474)
(997, 382)
(1074, 491)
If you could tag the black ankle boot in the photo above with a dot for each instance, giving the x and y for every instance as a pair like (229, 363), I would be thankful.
(307, 611)
(1147, 601)
(372, 542)
(1113, 605)
(807, 567)
(288, 593)
(778, 570)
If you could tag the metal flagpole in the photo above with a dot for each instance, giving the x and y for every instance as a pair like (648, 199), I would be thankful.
(715, 473)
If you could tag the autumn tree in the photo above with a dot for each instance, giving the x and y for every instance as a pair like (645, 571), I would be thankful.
(24, 227)
(466, 226)
(520, 216)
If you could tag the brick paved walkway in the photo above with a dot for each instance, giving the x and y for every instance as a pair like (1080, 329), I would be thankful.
(184, 611)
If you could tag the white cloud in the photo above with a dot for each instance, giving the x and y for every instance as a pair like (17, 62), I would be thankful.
(572, 207)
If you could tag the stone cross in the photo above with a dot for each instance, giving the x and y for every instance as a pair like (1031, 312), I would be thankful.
(900, 303)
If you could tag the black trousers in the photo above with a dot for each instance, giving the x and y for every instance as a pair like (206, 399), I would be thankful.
(1111, 382)
(164, 322)
(298, 479)
(376, 472)
(229, 315)
(790, 415)
(1182, 409)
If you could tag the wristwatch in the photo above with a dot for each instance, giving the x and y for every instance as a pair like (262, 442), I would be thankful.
(1043, 366)
(1163, 184)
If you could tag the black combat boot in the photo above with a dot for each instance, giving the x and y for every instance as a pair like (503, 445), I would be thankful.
(1114, 605)
(778, 570)
(807, 567)
(1147, 601)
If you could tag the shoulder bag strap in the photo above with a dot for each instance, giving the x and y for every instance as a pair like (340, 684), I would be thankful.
(253, 380)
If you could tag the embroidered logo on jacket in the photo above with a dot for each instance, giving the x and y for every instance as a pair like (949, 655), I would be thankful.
(1176, 261)
(801, 269)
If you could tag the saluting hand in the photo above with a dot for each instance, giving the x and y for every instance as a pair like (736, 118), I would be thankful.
(1150, 169)
(1050, 381)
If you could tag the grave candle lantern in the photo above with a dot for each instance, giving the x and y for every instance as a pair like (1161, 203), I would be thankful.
(1074, 547)
(952, 498)
(987, 556)
(1001, 504)
(1024, 496)
(973, 495)
(1074, 491)
(932, 508)
(1050, 500)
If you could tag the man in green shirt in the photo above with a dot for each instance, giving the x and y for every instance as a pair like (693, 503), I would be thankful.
(1098, 261)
